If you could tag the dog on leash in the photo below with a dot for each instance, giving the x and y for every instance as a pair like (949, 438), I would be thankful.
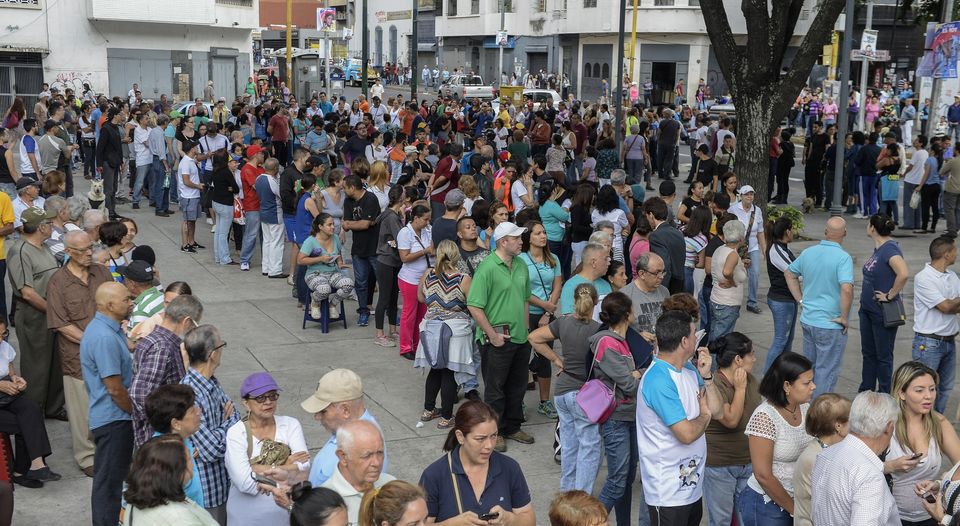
(96, 196)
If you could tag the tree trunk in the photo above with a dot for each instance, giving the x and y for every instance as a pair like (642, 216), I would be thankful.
(755, 125)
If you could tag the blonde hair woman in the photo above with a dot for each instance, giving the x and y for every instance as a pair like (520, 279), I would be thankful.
(397, 503)
(443, 289)
(378, 182)
(469, 187)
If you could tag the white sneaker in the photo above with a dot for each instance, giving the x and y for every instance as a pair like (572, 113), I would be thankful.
(213, 229)
(244, 266)
(209, 221)
(334, 311)
(314, 310)
(858, 215)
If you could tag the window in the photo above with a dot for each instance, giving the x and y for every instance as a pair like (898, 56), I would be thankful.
(596, 70)
(589, 3)
(240, 3)
(586, 70)
(663, 2)
(606, 71)
(540, 6)
(474, 7)
(451, 7)
(28, 4)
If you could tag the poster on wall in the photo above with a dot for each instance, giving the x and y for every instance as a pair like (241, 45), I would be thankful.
(326, 19)
(945, 47)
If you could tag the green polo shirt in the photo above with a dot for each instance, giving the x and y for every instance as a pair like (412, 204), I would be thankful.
(502, 293)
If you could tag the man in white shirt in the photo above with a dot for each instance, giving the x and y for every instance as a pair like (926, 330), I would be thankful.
(144, 157)
(752, 218)
(377, 111)
(936, 302)
(911, 182)
(360, 450)
(132, 94)
(848, 485)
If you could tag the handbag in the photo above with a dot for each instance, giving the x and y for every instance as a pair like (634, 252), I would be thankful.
(915, 200)
(238, 217)
(272, 453)
(893, 312)
(456, 487)
(596, 399)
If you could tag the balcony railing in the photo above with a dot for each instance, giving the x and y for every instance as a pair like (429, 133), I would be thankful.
(236, 3)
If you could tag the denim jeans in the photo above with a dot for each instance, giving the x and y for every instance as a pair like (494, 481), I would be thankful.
(665, 154)
(579, 445)
(110, 465)
(784, 325)
(911, 216)
(753, 277)
(142, 172)
(723, 318)
(158, 194)
(688, 284)
(941, 356)
(704, 301)
(754, 511)
(620, 444)
(876, 345)
(634, 169)
(824, 347)
(562, 251)
(719, 483)
(505, 382)
(221, 243)
(250, 232)
(365, 280)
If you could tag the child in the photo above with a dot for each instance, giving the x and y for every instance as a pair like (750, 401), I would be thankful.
(589, 171)
(889, 166)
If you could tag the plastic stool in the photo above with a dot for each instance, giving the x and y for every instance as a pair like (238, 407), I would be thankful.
(325, 319)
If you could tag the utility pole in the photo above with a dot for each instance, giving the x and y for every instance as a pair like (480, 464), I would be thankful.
(503, 23)
(618, 95)
(414, 48)
(326, 54)
(864, 67)
(290, 43)
(934, 113)
(364, 51)
(633, 40)
(836, 208)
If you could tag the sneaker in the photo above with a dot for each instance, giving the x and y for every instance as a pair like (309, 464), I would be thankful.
(136, 206)
(334, 311)
(209, 221)
(213, 230)
(754, 309)
(429, 414)
(501, 445)
(364, 319)
(521, 437)
(546, 409)
(858, 215)
(314, 310)
(383, 341)
(245, 267)
(188, 248)
(472, 395)
(198, 245)
(445, 423)
(290, 280)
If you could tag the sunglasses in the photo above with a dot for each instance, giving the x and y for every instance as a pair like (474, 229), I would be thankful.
(272, 396)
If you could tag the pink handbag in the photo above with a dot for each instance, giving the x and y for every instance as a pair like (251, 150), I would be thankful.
(596, 399)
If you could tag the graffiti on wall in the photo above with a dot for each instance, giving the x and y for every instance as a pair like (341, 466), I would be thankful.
(73, 80)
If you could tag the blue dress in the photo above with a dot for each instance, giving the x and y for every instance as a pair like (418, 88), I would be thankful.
(304, 220)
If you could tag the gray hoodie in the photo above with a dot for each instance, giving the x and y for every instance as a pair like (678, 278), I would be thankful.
(613, 369)
(390, 224)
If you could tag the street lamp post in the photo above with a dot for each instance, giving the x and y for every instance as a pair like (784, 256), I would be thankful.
(618, 96)
(414, 49)
(845, 47)
(364, 51)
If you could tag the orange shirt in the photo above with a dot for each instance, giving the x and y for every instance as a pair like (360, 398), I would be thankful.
(504, 181)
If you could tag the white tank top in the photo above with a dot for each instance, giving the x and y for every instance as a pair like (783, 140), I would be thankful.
(903, 483)
(26, 167)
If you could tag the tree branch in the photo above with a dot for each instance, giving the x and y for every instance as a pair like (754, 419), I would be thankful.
(758, 49)
(786, 14)
(810, 49)
(721, 37)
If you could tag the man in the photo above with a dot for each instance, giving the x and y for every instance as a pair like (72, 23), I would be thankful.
(540, 134)
(953, 119)
(356, 146)
(813, 152)
(29, 153)
(70, 308)
(144, 158)
(667, 141)
(28, 196)
(667, 242)
(752, 218)
(595, 260)
(288, 199)
(40, 109)
(498, 302)
(446, 177)
(157, 358)
(31, 267)
(337, 401)
(91, 222)
(673, 412)
(848, 485)
(445, 226)
(950, 170)
(51, 147)
(159, 193)
(471, 253)
(190, 185)
(251, 204)
(210, 144)
(377, 111)
(325, 105)
(936, 305)
(360, 469)
(705, 168)
(110, 155)
(912, 179)
(826, 296)
(361, 209)
(267, 188)
(647, 293)
(279, 130)
(107, 372)
(204, 350)
(132, 94)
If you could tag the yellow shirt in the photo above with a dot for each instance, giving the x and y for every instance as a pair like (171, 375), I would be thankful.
(505, 117)
(6, 218)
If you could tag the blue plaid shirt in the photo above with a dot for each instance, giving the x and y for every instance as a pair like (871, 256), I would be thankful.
(210, 441)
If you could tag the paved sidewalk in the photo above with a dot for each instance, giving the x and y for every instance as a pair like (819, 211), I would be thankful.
(262, 325)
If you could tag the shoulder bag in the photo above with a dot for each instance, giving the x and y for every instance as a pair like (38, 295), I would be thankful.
(596, 399)
(456, 486)
(893, 313)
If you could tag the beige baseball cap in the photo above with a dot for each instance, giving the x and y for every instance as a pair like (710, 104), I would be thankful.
(339, 385)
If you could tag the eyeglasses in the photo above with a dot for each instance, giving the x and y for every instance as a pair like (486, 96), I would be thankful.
(272, 396)
(659, 273)
(218, 347)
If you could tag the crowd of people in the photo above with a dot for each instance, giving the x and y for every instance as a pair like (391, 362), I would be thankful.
(478, 238)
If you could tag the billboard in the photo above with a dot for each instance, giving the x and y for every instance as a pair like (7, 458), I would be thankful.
(945, 47)
(326, 19)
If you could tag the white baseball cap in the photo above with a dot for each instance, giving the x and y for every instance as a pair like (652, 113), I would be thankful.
(746, 189)
(507, 229)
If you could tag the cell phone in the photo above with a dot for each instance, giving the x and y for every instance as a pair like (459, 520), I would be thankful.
(264, 480)
(488, 516)
(929, 497)
(916, 456)
(701, 334)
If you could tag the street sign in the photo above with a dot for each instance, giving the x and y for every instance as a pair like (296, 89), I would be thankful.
(879, 55)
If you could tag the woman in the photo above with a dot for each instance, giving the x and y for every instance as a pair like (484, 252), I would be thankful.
(225, 190)
(471, 192)
(111, 235)
(322, 254)
(728, 456)
(555, 220)
(447, 325)
(54, 183)
(415, 248)
(301, 126)
(639, 242)
(258, 443)
(397, 503)
(376, 151)
(634, 156)
(501, 134)
(88, 143)
(608, 159)
(171, 409)
(317, 506)
(872, 108)
(556, 158)
(729, 277)
(580, 221)
(691, 202)
(569, 144)
(546, 281)
(154, 491)
(695, 237)
(885, 274)
(186, 132)
(920, 430)
(929, 188)
(378, 182)
(307, 210)
(777, 436)
(827, 422)
(333, 199)
(579, 438)
(728, 185)
(779, 298)
(613, 365)
(577, 508)
(608, 209)
(390, 222)
(470, 462)
(616, 275)
(15, 114)
(128, 245)
(356, 115)
(497, 213)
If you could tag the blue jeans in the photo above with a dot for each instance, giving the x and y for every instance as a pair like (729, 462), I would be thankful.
(620, 443)
(364, 279)
(755, 512)
(723, 318)
(753, 277)
(784, 324)
(876, 345)
(941, 356)
(221, 244)
(142, 172)
(704, 301)
(719, 483)
(824, 347)
(158, 194)
(250, 232)
(911, 216)
(688, 285)
(579, 445)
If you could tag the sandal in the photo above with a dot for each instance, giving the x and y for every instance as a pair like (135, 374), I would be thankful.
(445, 423)
(429, 415)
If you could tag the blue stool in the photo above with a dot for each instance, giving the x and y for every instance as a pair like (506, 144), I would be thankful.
(325, 318)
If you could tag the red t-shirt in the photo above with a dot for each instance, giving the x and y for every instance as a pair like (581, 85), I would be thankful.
(280, 128)
(248, 176)
(448, 168)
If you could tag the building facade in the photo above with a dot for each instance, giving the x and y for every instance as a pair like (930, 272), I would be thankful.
(390, 31)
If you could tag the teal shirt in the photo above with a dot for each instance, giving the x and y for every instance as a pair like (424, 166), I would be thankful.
(311, 248)
(502, 292)
(193, 490)
(566, 294)
(824, 268)
(541, 279)
(553, 217)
